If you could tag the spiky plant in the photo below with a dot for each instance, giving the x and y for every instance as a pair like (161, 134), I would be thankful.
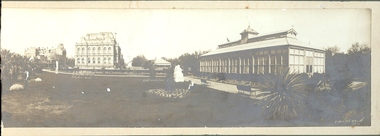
(286, 91)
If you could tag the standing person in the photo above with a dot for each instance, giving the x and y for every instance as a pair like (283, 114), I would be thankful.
(26, 79)
(169, 79)
(15, 72)
(191, 84)
(151, 73)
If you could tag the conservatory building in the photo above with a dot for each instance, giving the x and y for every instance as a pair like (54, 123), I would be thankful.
(263, 54)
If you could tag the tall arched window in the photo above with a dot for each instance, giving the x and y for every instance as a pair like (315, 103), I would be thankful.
(89, 50)
(109, 50)
(93, 61)
(78, 60)
(78, 51)
(109, 60)
(83, 60)
(93, 50)
(83, 49)
(104, 60)
(104, 50)
(98, 60)
(88, 60)
(99, 50)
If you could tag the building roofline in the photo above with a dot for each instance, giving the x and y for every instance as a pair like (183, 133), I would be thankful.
(262, 44)
(264, 35)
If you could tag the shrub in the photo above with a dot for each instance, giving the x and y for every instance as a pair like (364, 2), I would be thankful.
(328, 96)
(324, 105)
(286, 94)
(221, 76)
(318, 82)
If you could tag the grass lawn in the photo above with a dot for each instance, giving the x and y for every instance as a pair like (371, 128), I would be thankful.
(58, 101)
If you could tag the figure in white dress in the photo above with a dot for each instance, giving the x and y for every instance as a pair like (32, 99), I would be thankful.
(178, 75)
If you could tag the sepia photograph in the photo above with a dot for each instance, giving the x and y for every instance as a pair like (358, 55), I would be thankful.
(185, 68)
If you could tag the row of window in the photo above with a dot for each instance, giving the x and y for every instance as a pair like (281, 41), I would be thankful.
(307, 69)
(306, 53)
(242, 65)
(300, 60)
(295, 59)
(260, 65)
(319, 61)
(94, 50)
(272, 52)
(274, 60)
(97, 42)
(242, 69)
(262, 69)
(278, 51)
(95, 54)
(94, 61)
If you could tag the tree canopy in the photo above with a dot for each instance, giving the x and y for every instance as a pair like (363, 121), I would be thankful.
(188, 61)
(138, 61)
(359, 48)
(334, 49)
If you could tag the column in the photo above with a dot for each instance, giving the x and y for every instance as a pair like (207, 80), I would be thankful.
(212, 65)
(253, 65)
(220, 66)
(229, 66)
(239, 66)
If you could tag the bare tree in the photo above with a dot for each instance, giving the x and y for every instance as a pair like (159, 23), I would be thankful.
(334, 49)
(359, 48)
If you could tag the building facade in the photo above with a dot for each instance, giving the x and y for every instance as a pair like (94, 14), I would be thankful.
(98, 50)
(31, 52)
(263, 54)
(161, 64)
(46, 54)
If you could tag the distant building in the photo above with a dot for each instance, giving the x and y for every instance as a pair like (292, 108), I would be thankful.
(263, 54)
(60, 50)
(98, 50)
(31, 52)
(46, 55)
(161, 63)
(58, 53)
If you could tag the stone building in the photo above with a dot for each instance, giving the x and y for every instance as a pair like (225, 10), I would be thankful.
(263, 54)
(46, 54)
(98, 50)
(31, 52)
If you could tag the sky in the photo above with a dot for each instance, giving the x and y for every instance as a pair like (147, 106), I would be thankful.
(172, 32)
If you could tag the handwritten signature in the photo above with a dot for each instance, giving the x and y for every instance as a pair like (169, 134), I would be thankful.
(350, 121)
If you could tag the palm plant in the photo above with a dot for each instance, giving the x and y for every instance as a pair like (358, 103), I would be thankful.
(286, 91)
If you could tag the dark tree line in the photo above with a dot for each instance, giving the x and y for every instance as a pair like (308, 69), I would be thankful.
(359, 60)
(340, 101)
(322, 98)
(141, 61)
(189, 62)
(355, 64)
(138, 61)
(14, 65)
